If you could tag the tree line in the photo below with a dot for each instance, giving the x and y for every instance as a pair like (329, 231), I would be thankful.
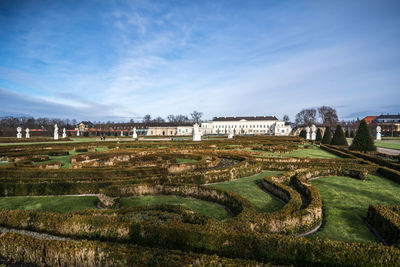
(195, 117)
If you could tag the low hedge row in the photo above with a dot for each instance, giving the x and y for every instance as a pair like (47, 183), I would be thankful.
(386, 221)
(215, 240)
(44, 252)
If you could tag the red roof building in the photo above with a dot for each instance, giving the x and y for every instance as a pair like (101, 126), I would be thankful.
(369, 119)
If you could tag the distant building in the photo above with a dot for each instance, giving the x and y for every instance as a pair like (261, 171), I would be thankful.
(258, 125)
(369, 119)
(390, 124)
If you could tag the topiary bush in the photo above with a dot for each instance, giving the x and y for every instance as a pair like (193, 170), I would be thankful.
(338, 137)
(327, 136)
(318, 138)
(363, 141)
(303, 133)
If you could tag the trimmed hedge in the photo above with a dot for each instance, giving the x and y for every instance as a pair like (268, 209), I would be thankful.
(386, 221)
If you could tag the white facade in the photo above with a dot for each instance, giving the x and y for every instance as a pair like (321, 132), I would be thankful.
(184, 130)
(246, 125)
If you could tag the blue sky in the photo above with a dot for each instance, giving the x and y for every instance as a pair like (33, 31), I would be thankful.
(116, 60)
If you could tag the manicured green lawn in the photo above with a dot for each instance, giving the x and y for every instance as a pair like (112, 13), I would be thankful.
(345, 203)
(182, 160)
(312, 152)
(248, 188)
(207, 208)
(49, 203)
(386, 144)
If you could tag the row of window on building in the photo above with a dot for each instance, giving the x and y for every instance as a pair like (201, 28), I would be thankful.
(240, 126)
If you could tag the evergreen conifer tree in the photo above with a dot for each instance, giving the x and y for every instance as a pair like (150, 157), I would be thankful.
(303, 133)
(318, 138)
(347, 133)
(327, 136)
(352, 134)
(338, 137)
(363, 141)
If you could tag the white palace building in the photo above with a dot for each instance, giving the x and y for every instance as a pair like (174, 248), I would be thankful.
(259, 125)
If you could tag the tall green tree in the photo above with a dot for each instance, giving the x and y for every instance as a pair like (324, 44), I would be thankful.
(327, 136)
(318, 137)
(352, 134)
(347, 133)
(338, 137)
(303, 133)
(363, 140)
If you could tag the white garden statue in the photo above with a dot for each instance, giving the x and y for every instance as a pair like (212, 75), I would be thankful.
(378, 133)
(19, 134)
(77, 133)
(122, 133)
(230, 135)
(64, 133)
(55, 132)
(196, 133)
(313, 132)
(134, 135)
(308, 133)
(27, 135)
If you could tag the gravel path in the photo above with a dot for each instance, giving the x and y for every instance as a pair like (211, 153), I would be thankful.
(33, 234)
(388, 151)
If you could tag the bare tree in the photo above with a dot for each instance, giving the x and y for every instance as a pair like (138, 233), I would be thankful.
(196, 116)
(328, 116)
(158, 120)
(306, 117)
(171, 118)
(147, 118)
(181, 119)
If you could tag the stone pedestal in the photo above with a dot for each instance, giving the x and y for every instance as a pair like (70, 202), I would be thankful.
(196, 133)
(55, 132)
(134, 135)
(313, 132)
(378, 133)
(19, 134)
(308, 133)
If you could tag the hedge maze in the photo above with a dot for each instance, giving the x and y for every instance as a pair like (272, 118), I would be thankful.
(112, 234)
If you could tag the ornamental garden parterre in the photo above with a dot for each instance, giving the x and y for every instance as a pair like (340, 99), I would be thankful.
(251, 201)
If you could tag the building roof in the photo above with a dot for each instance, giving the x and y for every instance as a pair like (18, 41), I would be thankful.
(369, 119)
(397, 117)
(248, 118)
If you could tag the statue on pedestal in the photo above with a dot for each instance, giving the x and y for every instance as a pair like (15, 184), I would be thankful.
(196, 133)
(308, 133)
(27, 135)
(64, 133)
(134, 135)
(378, 133)
(19, 135)
(55, 132)
(230, 135)
(313, 132)
(77, 133)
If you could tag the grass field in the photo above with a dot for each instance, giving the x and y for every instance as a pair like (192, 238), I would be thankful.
(345, 203)
(49, 203)
(386, 144)
(207, 208)
(248, 188)
(313, 152)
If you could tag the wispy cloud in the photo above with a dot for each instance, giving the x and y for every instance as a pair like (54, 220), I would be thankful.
(127, 59)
